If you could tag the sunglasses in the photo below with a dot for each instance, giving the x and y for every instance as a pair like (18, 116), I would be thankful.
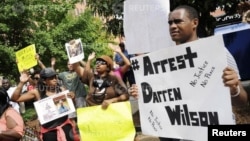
(100, 62)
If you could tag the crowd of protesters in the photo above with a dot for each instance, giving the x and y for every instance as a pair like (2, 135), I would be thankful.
(102, 85)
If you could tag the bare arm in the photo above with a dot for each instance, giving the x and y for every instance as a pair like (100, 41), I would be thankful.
(238, 94)
(10, 135)
(126, 61)
(83, 63)
(17, 94)
(241, 99)
(90, 58)
(124, 96)
(107, 102)
(78, 69)
(53, 62)
(40, 63)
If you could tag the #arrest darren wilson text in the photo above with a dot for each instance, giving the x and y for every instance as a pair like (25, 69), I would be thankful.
(180, 115)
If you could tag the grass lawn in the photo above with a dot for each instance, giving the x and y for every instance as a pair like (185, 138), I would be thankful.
(30, 113)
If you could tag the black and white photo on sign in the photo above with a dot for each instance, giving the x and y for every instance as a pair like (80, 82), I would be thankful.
(62, 104)
(74, 50)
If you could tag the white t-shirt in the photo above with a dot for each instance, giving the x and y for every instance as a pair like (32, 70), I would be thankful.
(15, 105)
(232, 63)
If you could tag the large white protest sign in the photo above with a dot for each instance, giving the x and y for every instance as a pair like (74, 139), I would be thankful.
(146, 25)
(182, 91)
(54, 107)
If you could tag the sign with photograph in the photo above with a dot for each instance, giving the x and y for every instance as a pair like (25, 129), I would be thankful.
(74, 50)
(54, 107)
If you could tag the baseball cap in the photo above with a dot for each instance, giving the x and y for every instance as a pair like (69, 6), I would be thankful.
(107, 59)
(47, 72)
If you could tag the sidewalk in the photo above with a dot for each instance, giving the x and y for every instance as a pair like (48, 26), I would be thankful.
(147, 138)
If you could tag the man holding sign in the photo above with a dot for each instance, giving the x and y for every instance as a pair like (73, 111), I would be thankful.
(183, 22)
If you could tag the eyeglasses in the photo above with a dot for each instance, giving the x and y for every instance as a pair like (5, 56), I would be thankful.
(100, 62)
(175, 21)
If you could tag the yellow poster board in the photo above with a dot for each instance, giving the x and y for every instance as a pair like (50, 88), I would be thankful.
(113, 124)
(26, 58)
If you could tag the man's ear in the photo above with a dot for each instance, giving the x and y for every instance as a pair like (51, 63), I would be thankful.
(195, 22)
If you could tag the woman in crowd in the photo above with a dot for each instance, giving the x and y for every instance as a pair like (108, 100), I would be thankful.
(120, 70)
(60, 129)
(104, 88)
(11, 122)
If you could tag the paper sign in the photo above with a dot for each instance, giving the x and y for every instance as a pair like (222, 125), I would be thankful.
(182, 91)
(113, 124)
(74, 51)
(146, 25)
(26, 58)
(54, 107)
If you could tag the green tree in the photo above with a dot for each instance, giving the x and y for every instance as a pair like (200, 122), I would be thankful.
(87, 27)
(49, 25)
(112, 11)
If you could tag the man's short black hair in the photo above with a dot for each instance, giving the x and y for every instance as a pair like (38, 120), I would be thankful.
(192, 12)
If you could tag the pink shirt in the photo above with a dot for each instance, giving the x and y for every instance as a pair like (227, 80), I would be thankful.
(11, 112)
(117, 72)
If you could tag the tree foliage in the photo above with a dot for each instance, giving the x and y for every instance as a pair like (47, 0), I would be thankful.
(49, 25)
(112, 10)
